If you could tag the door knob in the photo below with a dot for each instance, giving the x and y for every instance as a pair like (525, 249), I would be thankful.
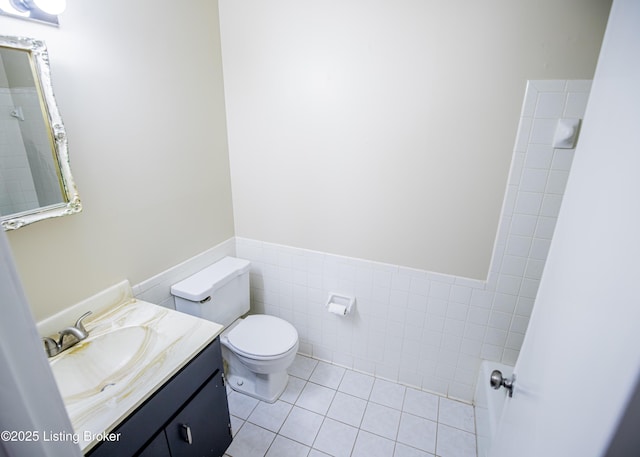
(497, 381)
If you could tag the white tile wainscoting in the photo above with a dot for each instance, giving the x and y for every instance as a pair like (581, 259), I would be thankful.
(421, 329)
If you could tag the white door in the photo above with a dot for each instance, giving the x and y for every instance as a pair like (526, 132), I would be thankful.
(581, 356)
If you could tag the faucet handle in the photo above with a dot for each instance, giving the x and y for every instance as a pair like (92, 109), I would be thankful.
(51, 346)
(79, 323)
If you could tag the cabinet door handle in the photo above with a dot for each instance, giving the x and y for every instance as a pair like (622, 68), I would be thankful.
(187, 433)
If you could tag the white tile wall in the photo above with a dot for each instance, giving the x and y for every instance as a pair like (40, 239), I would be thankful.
(537, 181)
(420, 328)
(17, 191)
(37, 145)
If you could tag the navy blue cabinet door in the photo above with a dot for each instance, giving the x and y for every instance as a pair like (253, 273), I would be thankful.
(202, 427)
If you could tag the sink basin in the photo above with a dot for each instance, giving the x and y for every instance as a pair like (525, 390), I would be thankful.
(101, 362)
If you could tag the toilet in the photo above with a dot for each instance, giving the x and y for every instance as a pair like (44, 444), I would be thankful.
(257, 349)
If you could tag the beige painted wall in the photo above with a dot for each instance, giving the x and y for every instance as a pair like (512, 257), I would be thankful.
(139, 86)
(384, 129)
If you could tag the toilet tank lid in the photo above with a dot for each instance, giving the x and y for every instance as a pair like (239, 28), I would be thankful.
(205, 282)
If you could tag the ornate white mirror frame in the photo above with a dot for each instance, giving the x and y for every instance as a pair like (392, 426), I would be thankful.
(69, 199)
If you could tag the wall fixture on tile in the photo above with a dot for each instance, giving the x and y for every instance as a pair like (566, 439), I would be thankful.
(566, 133)
(340, 305)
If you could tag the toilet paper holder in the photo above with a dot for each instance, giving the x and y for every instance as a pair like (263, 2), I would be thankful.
(340, 305)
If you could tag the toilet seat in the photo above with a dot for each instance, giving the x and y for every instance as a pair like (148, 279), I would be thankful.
(263, 337)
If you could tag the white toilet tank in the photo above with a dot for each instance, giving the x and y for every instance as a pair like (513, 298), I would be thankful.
(219, 293)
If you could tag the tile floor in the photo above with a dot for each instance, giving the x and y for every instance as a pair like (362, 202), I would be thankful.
(328, 410)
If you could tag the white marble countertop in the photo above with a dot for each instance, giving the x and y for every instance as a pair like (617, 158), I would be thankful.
(171, 340)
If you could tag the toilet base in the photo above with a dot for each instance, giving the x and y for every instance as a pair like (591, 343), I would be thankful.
(267, 391)
(265, 387)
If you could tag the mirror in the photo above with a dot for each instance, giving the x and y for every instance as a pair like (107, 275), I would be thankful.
(35, 175)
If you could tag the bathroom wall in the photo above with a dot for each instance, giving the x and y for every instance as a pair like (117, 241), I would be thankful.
(427, 329)
(383, 130)
(139, 86)
(145, 117)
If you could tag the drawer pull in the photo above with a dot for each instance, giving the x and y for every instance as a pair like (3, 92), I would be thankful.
(187, 433)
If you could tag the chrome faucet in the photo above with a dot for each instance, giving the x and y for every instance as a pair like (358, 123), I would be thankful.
(74, 334)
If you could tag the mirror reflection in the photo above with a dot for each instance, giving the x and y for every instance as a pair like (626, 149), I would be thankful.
(35, 177)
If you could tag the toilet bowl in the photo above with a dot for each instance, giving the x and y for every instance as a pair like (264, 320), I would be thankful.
(257, 349)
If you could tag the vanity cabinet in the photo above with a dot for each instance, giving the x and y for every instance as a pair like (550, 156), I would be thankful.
(187, 417)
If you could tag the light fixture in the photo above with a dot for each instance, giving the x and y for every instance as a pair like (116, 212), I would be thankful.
(7, 8)
(37, 10)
